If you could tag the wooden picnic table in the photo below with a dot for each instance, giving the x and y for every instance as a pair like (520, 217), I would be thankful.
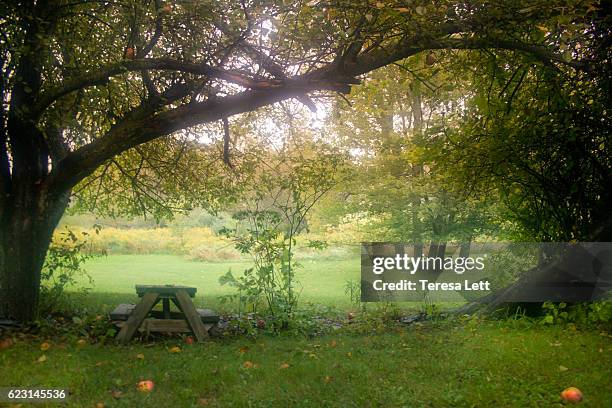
(188, 320)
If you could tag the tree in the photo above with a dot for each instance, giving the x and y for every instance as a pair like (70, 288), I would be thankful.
(86, 81)
(408, 199)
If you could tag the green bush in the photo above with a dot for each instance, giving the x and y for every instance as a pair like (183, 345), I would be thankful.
(62, 267)
(585, 313)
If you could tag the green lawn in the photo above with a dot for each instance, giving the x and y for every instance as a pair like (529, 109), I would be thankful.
(456, 365)
(114, 276)
(471, 363)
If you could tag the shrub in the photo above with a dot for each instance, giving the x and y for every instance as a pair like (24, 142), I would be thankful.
(62, 266)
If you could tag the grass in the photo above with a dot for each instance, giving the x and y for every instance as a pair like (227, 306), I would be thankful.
(114, 277)
(512, 363)
(452, 365)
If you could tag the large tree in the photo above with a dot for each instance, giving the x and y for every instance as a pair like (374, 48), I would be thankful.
(85, 81)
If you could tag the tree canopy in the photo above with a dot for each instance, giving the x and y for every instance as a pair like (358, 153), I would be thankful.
(110, 94)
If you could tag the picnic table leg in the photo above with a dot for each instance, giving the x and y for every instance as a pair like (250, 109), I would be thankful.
(191, 315)
(166, 304)
(140, 312)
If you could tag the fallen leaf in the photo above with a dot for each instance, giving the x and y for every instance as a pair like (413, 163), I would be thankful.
(45, 346)
(175, 349)
(333, 343)
(563, 368)
(81, 342)
(42, 359)
(328, 379)
(140, 356)
(203, 401)
(248, 364)
(100, 363)
(243, 350)
(402, 9)
(116, 394)
(349, 354)
(6, 343)
(100, 405)
(284, 366)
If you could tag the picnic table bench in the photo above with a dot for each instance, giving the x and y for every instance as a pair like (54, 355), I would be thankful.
(132, 318)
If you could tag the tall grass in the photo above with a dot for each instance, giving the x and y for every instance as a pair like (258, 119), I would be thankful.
(202, 243)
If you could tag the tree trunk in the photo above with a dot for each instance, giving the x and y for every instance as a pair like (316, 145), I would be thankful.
(464, 249)
(25, 234)
(546, 273)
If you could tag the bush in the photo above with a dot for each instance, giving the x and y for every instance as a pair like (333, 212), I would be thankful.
(62, 265)
(584, 313)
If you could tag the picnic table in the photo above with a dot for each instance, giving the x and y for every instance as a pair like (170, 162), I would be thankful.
(143, 317)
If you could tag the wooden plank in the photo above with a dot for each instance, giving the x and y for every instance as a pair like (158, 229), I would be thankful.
(166, 325)
(164, 290)
(140, 312)
(122, 312)
(191, 315)
(208, 316)
(166, 308)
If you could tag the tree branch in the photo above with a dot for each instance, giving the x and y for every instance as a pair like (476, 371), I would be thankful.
(103, 74)
(338, 76)
(139, 128)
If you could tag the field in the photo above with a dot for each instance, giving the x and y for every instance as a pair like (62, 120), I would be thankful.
(451, 365)
(441, 363)
(322, 281)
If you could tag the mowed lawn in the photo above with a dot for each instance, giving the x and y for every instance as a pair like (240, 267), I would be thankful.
(486, 364)
(320, 281)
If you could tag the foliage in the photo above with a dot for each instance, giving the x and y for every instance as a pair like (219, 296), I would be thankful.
(352, 289)
(62, 270)
(584, 314)
(404, 195)
(282, 195)
(508, 263)
(535, 137)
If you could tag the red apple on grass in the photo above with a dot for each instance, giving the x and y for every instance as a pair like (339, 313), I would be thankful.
(571, 394)
(145, 386)
(189, 340)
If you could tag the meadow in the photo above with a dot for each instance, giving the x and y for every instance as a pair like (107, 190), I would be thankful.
(367, 361)
(458, 364)
(320, 281)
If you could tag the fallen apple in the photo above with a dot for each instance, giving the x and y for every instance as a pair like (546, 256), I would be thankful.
(189, 340)
(145, 386)
(571, 394)
(6, 343)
